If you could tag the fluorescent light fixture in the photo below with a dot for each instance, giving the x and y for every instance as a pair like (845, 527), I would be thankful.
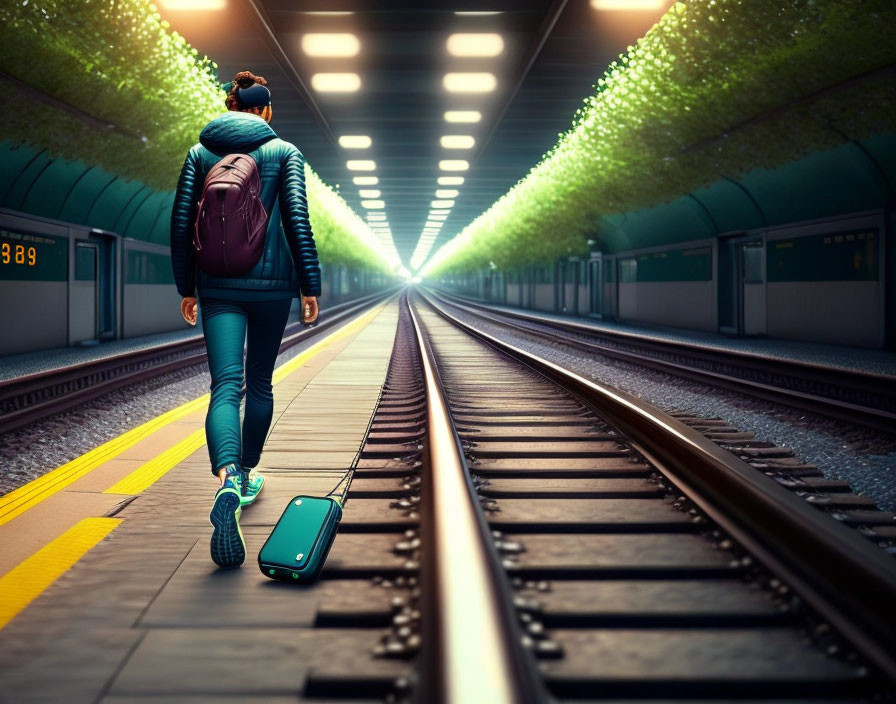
(365, 180)
(360, 165)
(457, 141)
(627, 4)
(433, 226)
(376, 216)
(373, 204)
(321, 44)
(194, 4)
(354, 141)
(454, 165)
(450, 180)
(437, 217)
(463, 116)
(439, 212)
(369, 193)
(447, 193)
(478, 44)
(442, 204)
(469, 82)
(336, 82)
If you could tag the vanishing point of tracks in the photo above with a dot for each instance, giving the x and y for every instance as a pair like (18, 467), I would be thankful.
(565, 540)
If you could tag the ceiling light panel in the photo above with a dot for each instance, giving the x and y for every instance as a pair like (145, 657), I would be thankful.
(439, 212)
(457, 141)
(469, 82)
(625, 5)
(442, 204)
(454, 165)
(369, 193)
(194, 4)
(355, 141)
(437, 217)
(323, 44)
(450, 180)
(447, 193)
(336, 82)
(360, 165)
(373, 204)
(365, 180)
(463, 116)
(478, 44)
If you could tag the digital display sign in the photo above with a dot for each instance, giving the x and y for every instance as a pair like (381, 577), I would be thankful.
(29, 257)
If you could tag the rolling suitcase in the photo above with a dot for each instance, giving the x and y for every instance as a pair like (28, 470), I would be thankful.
(297, 548)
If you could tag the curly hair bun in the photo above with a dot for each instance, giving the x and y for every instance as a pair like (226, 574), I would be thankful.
(246, 79)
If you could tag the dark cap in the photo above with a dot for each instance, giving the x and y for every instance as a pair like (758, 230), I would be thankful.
(257, 96)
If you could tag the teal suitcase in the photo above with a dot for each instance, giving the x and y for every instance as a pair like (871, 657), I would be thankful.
(297, 548)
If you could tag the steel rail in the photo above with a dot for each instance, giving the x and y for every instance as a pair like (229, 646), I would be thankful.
(79, 375)
(472, 649)
(843, 576)
(876, 384)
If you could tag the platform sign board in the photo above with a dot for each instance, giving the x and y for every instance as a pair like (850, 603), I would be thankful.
(840, 256)
(29, 257)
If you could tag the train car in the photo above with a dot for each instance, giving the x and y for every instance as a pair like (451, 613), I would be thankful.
(88, 285)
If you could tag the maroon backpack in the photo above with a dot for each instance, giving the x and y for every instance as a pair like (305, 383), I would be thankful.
(228, 237)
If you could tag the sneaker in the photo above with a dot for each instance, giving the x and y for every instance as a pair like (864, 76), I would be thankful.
(253, 486)
(228, 547)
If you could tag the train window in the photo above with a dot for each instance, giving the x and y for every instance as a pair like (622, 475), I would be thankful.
(85, 262)
(752, 254)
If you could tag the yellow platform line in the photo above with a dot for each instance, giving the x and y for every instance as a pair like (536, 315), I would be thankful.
(148, 473)
(25, 497)
(20, 500)
(27, 580)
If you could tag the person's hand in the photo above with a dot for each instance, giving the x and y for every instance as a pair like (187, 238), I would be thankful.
(188, 309)
(309, 309)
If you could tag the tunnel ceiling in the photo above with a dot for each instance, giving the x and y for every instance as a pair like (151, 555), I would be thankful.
(553, 52)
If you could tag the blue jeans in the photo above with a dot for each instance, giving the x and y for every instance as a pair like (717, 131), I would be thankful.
(225, 324)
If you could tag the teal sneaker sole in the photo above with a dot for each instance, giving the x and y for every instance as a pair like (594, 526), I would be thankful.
(228, 547)
(246, 500)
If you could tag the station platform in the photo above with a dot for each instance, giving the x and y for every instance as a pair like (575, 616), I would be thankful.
(108, 592)
(834, 356)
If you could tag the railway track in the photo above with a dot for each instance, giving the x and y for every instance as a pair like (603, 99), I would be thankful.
(29, 399)
(862, 398)
(547, 537)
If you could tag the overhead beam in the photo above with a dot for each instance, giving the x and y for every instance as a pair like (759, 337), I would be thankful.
(261, 20)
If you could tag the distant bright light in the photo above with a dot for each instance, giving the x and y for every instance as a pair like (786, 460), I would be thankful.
(627, 4)
(454, 165)
(478, 44)
(450, 180)
(369, 193)
(194, 4)
(320, 44)
(365, 180)
(336, 82)
(463, 116)
(373, 204)
(469, 82)
(416, 279)
(442, 204)
(355, 141)
(457, 141)
(446, 193)
(360, 165)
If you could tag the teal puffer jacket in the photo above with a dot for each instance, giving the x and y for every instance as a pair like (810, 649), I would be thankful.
(288, 265)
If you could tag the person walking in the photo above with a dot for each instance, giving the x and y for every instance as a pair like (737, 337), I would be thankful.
(253, 306)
